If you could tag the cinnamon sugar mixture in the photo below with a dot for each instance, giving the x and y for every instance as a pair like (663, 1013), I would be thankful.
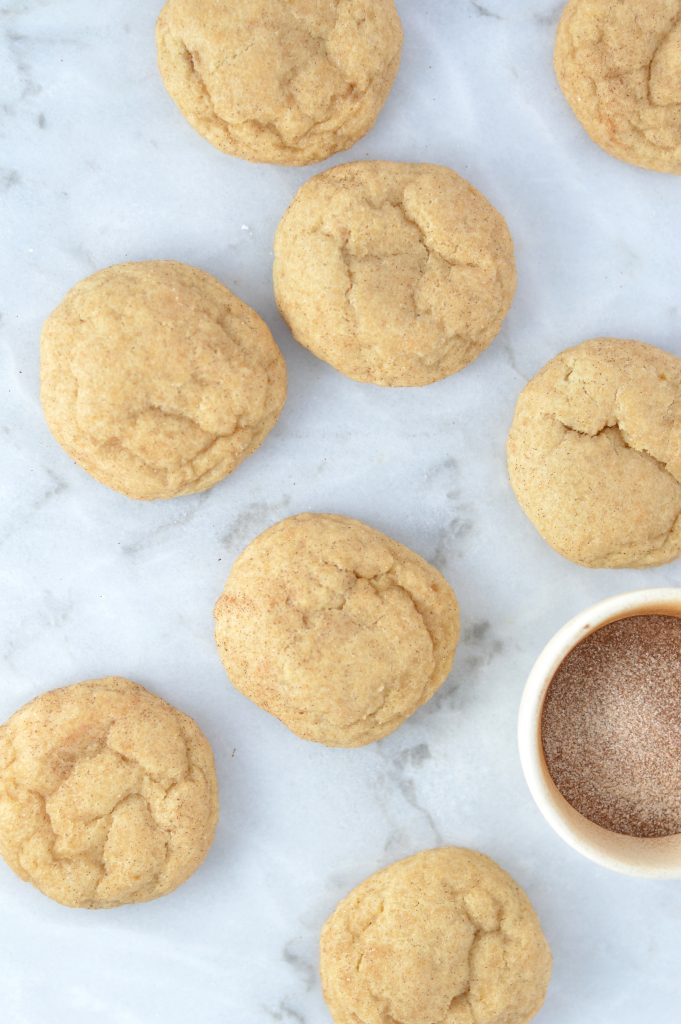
(611, 726)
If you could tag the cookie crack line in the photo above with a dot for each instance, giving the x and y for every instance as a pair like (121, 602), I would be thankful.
(148, 774)
(151, 882)
(615, 427)
(191, 60)
(358, 94)
(642, 133)
(431, 248)
(240, 425)
(373, 580)
(41, 796)
(387, 1011)
(671, 530)
(323, 40)
(54, 838)
(324, 45)
(420, 308)
(164, 473)
(96, 857)
(664, 537)
(653, 102)
(292, 147)
(136, 792)
(420, 614)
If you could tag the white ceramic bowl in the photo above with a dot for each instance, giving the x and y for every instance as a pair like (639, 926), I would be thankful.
(649, 858)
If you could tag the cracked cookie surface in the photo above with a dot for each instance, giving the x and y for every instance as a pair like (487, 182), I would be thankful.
(157, 380)
(618, 63)
(287, 83)
(108, 794)
(443, 937)
(334, 628)
(395, 274)
(594, 454)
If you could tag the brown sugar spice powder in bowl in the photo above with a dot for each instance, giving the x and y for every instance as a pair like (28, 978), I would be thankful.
(611, 726)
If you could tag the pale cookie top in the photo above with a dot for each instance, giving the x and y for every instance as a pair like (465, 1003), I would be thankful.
(444, 937)
(336, 629)
(157, 380)
(619, 64)
(285, 83)
(594, 453)
(108, 795)
(396, 274)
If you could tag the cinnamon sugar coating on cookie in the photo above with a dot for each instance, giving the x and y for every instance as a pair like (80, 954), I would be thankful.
(335, 629)
(157, 380)
(286, 83)
(108, 794)
(444, 937)
(395, 274)
(594, 453)
(618, 63)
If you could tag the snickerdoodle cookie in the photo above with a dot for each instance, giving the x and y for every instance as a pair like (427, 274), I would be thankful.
(619, 64)
(396, 274)
(157, 380)
(445, 937)
(594, 453)
(108, 795)
(336, 629)
(283, 83)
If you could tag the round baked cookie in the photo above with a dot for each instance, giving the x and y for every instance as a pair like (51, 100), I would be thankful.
(336, 629)
(282, 83)
(444, 937)
(619, 64)
(157, 380)
(108, 795)
(594, 454)
(395, 274)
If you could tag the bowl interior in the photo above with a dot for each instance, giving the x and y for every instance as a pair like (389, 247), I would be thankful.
(659, 857)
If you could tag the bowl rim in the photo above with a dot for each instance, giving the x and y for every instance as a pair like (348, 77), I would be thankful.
(649, 858)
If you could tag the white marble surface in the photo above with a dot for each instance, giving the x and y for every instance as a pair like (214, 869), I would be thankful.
(97, 166)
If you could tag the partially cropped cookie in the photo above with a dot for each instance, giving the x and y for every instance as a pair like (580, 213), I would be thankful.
(444, 937)
(594, 454)
(336, 629)
(157, 380)
(108, 795)
(395, 274)
(283, 83)
(619, 64)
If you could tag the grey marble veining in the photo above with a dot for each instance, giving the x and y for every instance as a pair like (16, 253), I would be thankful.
(97, 166)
